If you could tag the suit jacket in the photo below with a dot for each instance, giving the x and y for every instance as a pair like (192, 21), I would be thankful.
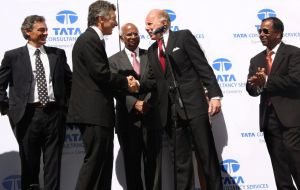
(91, 99)
(192, 72)
(282, 87)
(16, 72)
(126, 115)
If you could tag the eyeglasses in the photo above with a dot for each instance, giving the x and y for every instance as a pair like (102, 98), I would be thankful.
(264, 30)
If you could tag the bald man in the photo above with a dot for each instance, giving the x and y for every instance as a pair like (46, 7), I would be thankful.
(192, 73)
(134, 116)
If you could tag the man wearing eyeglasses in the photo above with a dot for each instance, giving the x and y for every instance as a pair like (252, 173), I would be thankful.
(274, 74)
(134, 116)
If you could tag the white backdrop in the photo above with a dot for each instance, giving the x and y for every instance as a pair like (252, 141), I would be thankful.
(229, 39)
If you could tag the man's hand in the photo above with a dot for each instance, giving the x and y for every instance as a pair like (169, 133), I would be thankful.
(133, 85)
(214, 107)
(259, 79)
(141, 106)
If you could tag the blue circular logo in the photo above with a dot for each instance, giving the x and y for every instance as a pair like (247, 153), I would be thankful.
(171, 14)
(222, 64)
(66, 17)
(230, 166)
(266, 13)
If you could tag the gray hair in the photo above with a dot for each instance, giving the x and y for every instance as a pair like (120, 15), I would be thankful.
(28, 23)
(99, 8)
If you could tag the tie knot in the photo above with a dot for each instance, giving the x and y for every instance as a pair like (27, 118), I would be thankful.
(133, 54)
(270, 53)
(37, 52)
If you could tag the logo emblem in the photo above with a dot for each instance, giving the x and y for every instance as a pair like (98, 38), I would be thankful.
(12, 182)
(171, 14)
(66, 17)
(266, 13)
(230, 166)
(222, 64)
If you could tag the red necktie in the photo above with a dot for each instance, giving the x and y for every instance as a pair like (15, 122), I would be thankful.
(269, 61)
(161, 55)
(135, 63)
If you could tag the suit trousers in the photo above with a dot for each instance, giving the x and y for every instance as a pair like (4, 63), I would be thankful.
(194, 134)
(41, 130)
(96, 170)
(283, 144)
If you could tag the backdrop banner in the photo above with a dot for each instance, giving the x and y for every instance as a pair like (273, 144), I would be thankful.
(229, 39)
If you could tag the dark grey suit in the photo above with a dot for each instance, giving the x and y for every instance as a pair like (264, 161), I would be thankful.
(36, 129)
(280, 121)
(136, 133)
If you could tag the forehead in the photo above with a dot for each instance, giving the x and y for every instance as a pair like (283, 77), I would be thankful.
(267, 24)
(129, 27)
(39, 25)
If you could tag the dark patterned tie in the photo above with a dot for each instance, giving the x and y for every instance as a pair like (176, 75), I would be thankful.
(41, 79)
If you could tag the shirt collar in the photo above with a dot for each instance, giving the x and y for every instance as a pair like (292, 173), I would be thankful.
(275, 49)
(128, 52)
(32, 49)
(99, 32)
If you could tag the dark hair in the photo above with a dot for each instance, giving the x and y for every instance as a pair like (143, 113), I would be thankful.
(277, 24)
(99, 8)
(28, 22)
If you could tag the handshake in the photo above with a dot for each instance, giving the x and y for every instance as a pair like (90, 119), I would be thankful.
(133, 84)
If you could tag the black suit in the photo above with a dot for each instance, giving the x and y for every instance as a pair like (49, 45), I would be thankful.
(136, 132)
(36, 129)
(92, 108)
(280, 121)
(192, 72)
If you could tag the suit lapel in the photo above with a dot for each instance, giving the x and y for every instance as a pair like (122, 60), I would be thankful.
(124, 59)
(278, 58)
(52, 60)
(143, 62)
(26, 64)
(154, 55)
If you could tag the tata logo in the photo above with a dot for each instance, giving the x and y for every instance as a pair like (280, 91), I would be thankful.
(12, 182)
(266, 13)
(223, 65)
(231, 167)
(172, 16)
(66, 18)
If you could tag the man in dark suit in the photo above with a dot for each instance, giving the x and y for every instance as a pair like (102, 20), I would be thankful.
(274, 74)
(91, 103)
(37, 119)
(134, 119)
(192, 72)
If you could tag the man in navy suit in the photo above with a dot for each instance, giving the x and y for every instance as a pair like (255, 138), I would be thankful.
(135, 126)
(38, 121)
(192, 72)
(279, 88)
(91, 102)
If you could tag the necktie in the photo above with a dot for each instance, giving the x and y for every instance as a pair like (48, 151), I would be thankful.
(41, 79)
(161, 55)
(269, 61)
(135, 63)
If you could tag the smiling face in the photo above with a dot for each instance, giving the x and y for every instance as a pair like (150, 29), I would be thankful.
(38, 34)
(268, 36)
(153, 21)
(130, 36)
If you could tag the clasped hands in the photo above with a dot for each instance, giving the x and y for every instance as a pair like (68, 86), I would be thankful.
(133, 84)
(259, 78)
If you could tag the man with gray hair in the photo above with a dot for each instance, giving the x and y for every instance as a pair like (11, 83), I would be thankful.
(39, 81)
(91, 103)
